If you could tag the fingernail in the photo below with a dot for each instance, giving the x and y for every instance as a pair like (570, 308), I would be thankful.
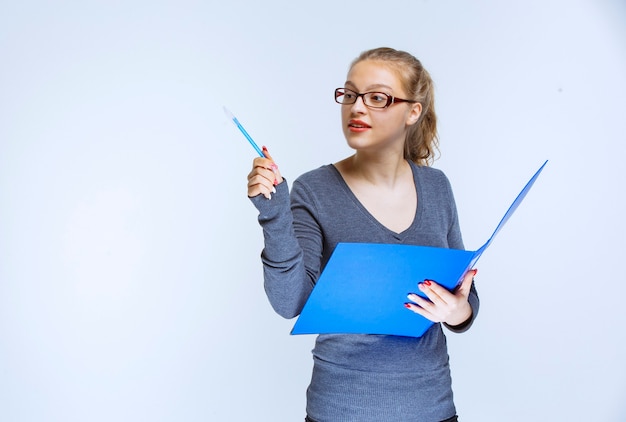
(274, 167)
(407, 305)
(273, 190)
(264, 148)
(475, 271)
(427, 282)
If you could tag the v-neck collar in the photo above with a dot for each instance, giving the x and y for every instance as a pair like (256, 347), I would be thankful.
(418, 209)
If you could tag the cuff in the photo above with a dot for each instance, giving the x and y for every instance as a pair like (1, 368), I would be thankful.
(462, 327)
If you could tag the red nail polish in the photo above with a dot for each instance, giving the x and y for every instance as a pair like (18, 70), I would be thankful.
(407, 305)
(264, 148)
(427, 282)
(475, 272)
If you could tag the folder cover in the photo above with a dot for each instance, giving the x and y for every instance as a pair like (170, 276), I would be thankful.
(363, 287)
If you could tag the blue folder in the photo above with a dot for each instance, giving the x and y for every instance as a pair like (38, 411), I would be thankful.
(363, 287)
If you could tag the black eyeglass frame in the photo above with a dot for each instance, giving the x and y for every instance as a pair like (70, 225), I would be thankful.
(390, 98)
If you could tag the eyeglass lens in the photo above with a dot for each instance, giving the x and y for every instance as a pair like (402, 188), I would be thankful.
(371, 99)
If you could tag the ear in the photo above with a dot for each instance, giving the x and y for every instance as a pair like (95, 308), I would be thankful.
(414, 114)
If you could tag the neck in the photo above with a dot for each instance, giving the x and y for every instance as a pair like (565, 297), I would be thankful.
(381, 170)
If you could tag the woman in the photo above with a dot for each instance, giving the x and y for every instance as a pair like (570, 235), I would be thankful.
(384, 193)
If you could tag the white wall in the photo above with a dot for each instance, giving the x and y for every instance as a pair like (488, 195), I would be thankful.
(130, 281)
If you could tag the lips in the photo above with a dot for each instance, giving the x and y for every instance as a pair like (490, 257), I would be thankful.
(358, 125)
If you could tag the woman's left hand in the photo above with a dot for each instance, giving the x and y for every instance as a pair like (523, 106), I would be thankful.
(452, 308)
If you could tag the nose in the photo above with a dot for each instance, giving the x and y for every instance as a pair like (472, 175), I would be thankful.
(359, 105)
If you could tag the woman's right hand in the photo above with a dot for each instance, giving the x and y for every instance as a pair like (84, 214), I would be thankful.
(264, 176)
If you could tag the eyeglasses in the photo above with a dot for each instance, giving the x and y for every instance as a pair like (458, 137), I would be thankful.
(345, 96)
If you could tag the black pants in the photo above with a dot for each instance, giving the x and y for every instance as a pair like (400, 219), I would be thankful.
(452, 419)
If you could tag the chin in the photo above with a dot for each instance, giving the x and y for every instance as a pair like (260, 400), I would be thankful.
(357, 143)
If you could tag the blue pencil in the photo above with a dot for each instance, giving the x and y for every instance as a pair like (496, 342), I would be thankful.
(241, 128)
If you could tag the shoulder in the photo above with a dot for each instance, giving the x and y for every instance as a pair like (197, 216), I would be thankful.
(325, 175)
(430, 175)
(318, 188)
(433, 184)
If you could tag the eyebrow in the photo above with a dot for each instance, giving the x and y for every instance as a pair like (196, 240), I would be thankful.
(370, 87)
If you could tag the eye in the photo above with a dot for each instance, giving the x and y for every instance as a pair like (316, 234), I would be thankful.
(348, 95)
(378, 98)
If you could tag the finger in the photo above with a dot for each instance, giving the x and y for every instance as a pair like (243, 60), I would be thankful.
(422, 311)
(261, 171)
(261, 179)
(422, 302)
(466, 285)
(265, 167)
(260, 185)
(436, 293)
(263, 162)
(426, 307)
(260, 190)
(267, 153)
(273, 166)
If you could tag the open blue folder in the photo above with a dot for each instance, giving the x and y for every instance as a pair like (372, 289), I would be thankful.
(363, 287)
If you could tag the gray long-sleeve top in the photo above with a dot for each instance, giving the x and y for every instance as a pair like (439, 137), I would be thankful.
(359, 377)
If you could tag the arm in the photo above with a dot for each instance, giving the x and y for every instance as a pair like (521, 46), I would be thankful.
(287, 281)
(457, 309)
(455, 241)
(474, 303)
(286, 284)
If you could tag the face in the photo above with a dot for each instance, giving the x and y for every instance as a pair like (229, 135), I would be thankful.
(375, 130)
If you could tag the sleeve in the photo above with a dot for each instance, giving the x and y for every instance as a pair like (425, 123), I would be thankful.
(455, 241)
(290, 262)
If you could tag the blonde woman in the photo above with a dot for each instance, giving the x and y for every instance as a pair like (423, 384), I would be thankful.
(385, 192)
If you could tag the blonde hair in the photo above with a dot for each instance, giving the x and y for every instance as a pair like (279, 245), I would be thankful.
(422, 140)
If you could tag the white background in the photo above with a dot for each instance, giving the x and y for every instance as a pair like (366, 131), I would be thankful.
(130, 279)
